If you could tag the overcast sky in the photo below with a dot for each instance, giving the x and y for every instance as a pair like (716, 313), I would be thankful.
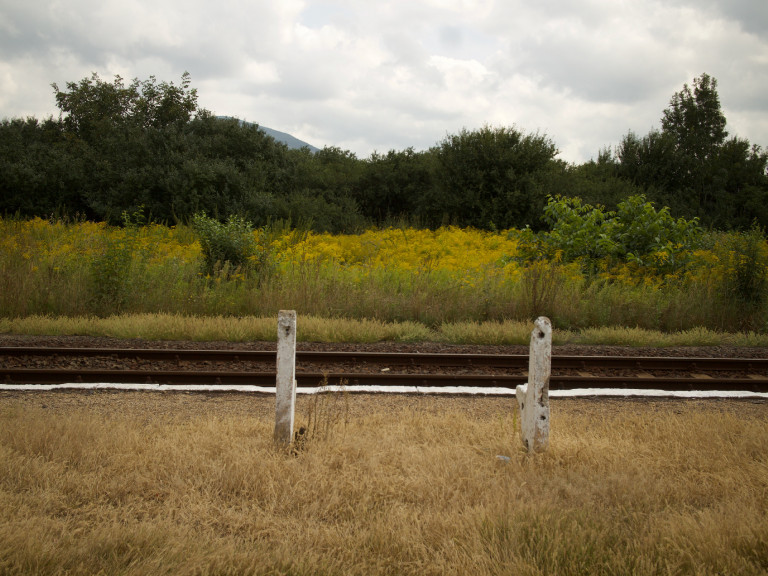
(375, 76)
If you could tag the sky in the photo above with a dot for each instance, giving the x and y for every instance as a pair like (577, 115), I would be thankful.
(370, 76)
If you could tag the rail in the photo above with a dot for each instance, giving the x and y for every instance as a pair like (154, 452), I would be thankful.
(48, 365)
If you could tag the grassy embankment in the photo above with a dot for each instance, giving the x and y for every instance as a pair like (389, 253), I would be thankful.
(450, 285)
(176, 484)
(318, 329)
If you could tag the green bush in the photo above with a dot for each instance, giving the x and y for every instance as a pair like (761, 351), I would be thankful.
(598, 240)
(228, 246)
(110, 276)
(744, 283)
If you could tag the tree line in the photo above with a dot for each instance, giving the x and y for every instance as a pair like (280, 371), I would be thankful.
(147, 147)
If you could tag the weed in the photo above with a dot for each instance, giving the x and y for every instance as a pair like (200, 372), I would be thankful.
(110, 275)
(405, 285)
(227, 248)
(744, 281)
(327, 412)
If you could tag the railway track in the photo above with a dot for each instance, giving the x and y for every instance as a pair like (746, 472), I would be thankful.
(44, 365)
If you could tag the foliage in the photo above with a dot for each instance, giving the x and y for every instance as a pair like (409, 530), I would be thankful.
(595, 182)
(41, 171)
(116, 147)
(119, 145)
(691, 167)
(488, 178)
(695, 120)
(110, 269)
(92, 106)
(412, 276)
(745, 277)
(230, 244)
(636, 234)
(394, 186)
(321, 191)
(650, 161)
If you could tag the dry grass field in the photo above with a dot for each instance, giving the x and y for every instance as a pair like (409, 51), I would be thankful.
(152, 483)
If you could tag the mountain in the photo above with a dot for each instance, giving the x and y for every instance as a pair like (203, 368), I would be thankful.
(287, 139)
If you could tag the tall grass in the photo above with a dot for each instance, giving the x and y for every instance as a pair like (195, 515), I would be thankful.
(449, 276)
(191, 485)
(319, 329)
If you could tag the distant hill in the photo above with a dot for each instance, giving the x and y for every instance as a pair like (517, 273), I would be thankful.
(287, 139)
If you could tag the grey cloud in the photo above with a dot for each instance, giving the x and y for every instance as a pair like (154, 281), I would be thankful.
(405, 73)
(451, 36)
(751, 15)
(593, 72)
(211, 39)
(404, 47)
(607, 59)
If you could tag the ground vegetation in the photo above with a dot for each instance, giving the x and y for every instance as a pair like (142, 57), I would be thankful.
(140, 483)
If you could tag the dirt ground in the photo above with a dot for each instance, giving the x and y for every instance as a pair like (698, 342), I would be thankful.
(149, 406)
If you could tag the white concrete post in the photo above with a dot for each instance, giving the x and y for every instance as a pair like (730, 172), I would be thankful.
(533, 397)
(286, 376)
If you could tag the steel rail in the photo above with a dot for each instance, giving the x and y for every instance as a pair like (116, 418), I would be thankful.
(559, 362)
(677, 373)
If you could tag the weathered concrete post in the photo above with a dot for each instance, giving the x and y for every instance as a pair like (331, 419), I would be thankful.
(533, 397)
(286, 376)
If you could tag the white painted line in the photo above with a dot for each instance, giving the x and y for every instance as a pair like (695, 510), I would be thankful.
(425, 390)
(629, 392)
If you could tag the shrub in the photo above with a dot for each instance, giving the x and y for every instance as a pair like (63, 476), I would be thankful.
(230, 245)
(744, 284)
(110, 271)
(636, 233)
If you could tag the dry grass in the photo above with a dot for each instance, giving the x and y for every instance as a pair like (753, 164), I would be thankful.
(320, 329)
(150, 483)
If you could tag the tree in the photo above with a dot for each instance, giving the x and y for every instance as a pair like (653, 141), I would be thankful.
(741, 173)
(488, 178)
(595, 182)
(650, 160)
(92, 106)
(696, 125)
(695, 121)
(322, 190)
(392, 184)
(691, 166)
(41, 171)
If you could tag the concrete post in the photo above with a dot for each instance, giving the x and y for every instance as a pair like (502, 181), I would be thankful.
(286, 376)
(533, 397)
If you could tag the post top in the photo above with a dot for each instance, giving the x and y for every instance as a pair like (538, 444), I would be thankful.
(543, 327)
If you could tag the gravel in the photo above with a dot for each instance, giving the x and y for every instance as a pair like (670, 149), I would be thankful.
(421, 347)
(162, 406)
